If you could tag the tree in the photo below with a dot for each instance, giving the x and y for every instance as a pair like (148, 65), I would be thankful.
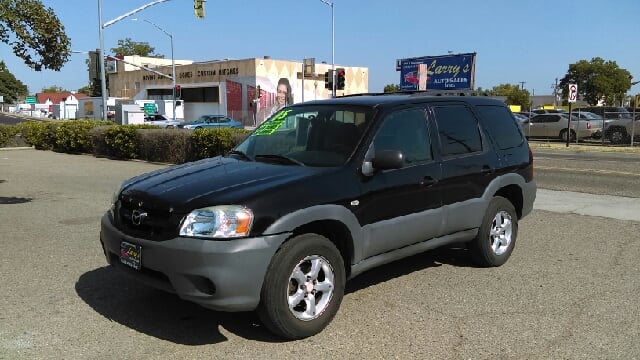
(38, 35)
(128, 47)
(391, 88)
(485, 92)
(514, 93)
(597, 80)
(54, 89)
(10, 87)
(86, 90)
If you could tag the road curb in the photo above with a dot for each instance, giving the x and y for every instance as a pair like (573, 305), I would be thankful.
(16, 148)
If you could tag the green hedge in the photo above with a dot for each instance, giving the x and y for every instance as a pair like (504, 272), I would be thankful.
(144, 142)
(74, 137)
(165, 145)
(40, 134)
(7, 132)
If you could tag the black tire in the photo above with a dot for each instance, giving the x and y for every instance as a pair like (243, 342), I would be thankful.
(618, 135)
(563, 135)
(280, 288)
(497, 235)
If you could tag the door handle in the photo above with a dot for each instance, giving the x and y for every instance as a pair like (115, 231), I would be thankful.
(428, 181)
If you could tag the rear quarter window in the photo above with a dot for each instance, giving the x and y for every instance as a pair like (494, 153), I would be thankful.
(501, 126)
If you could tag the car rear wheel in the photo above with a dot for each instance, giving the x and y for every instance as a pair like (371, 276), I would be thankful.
(497, 235)
(303, 287)
(617, 135)
(563, 135)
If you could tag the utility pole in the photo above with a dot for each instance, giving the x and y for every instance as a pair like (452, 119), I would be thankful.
(522, 85)
(555, 93)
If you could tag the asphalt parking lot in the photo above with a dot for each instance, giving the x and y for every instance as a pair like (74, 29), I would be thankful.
(570, 290)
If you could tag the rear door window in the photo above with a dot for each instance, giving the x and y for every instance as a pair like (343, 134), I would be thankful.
(457, 129)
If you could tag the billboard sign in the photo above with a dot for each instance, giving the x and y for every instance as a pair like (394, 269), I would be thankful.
(445, 72)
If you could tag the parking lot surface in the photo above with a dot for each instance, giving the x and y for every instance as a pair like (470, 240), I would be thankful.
(569, 290)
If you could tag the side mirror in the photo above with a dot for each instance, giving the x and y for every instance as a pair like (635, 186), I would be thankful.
(383, 160)
(388, 159)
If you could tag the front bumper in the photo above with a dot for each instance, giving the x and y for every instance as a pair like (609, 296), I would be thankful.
(221, 275)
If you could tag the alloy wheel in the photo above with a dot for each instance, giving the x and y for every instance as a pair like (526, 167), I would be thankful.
(311, 286)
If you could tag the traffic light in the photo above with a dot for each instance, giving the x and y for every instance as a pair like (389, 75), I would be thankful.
(328, 80)
(177, 92)
(258, 92)
(340, 78)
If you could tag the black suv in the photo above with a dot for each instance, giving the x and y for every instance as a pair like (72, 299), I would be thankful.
(319, 193)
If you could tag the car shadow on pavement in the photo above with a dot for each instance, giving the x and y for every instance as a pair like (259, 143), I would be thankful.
(454, 255)
(163, 315)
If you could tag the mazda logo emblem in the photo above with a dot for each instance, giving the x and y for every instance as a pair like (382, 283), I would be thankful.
(138, 216)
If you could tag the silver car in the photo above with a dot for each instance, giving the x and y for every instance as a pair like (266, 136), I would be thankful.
(555, 126)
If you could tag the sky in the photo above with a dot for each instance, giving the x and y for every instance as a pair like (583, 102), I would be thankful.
(524, 42)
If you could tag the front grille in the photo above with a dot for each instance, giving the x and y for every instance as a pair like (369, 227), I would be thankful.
(155, 225)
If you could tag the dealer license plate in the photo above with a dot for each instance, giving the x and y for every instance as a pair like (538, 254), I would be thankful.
(130, 254)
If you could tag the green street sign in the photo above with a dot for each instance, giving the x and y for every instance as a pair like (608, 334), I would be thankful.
(30, 100)
(150, 108)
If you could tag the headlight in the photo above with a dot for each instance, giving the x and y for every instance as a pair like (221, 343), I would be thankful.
(226, 221)
(114, 199)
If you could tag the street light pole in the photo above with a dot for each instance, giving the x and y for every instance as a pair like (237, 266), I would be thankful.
(103, 77)
(333, 60)
(173, 65)
(101, 27)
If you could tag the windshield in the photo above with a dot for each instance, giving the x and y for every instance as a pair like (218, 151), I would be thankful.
(312, 135)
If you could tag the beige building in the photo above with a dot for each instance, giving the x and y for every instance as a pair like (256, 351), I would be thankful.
(229, 87)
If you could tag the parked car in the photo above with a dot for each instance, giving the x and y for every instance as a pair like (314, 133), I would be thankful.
(555, 126)
(607, 112)
(620, 131)
(320, 193)
(548, 111)
(161, 120)
(586, 115)
(633, 111)
(212, 121)
(619, 123)
(521, 118)
(526, 114)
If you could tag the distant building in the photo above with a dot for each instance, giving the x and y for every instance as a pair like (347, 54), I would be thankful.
(229, 87)
(63, 105)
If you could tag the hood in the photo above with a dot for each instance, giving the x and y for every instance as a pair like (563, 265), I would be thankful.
(208, 182)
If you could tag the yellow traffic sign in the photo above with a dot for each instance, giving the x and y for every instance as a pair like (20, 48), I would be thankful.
(636, 104)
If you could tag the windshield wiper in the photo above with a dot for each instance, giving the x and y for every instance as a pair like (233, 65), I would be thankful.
(241, 153)
(279, 158)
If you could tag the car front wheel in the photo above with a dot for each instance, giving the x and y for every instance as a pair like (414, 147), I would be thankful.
(303, 287)
(497, 235)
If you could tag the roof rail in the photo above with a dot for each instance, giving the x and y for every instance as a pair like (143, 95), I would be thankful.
(421, 93)
(445, 93)
(365, 94)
